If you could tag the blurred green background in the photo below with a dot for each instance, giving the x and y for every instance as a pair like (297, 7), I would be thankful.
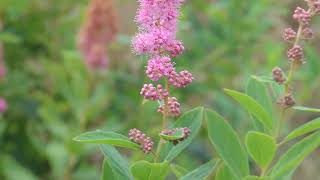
(52, 97)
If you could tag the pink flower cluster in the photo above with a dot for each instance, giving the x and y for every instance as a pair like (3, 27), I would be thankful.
(157, 21)
(142, 139)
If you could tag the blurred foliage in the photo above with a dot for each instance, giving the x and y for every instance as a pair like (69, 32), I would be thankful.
(52, 97)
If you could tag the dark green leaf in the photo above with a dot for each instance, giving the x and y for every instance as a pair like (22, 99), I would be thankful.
(192, 120)
(227, 144)
(118, 164)
(178, 170)
(201, 172)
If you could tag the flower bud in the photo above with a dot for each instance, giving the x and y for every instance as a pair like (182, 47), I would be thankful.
(302, 16)
(289, 34)
(295, 54)
(278, 75)
(287, 101)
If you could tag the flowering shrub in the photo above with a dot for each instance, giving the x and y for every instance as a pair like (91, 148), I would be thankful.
(157, 21)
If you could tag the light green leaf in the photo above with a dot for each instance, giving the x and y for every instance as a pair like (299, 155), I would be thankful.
(304, 129)
(144, 170)
(302, 108)
(227, 144)
(256, 178)
(106, 137)
(261, 148)
(259, 91)
(264, 79)
(201, 172)
(12, 170)
(177, 135)
(178, 170)
(253, 107)
(224, 173)
(8, 37)
(192, 120)
(294, 156)
(118, 164)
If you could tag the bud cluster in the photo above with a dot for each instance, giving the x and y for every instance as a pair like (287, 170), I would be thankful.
(150, 92)
(186, 133)
(287, 101)
(142, 139)
(173, 107)
(278, 75)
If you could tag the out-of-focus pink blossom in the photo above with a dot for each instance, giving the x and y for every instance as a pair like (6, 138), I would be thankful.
(3, 105)
(98, 30)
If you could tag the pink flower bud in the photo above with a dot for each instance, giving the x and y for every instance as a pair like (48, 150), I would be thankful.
(302, 16)
(289, 34)
(140, 138)
(295, 54)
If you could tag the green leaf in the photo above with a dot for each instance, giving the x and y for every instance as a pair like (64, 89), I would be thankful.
(144, 170)
(304, 129)
(276, 88)
(192, 120)
(253, 107)
(178, 170)
(227, 144)
(12, 170)
(302, 108)
(259, 91)
(224, 173)
(201, 172)
(256, 178)
(295, 155)
(261, 148)
(177, 135)
(118, 164)
(8, 37)
(264, 79)
(106, 137)
(107, 173)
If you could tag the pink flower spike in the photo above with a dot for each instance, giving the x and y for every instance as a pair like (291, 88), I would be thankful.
(159, 67)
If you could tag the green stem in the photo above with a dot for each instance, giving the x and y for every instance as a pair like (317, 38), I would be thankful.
(289, 81)
(164, 122)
